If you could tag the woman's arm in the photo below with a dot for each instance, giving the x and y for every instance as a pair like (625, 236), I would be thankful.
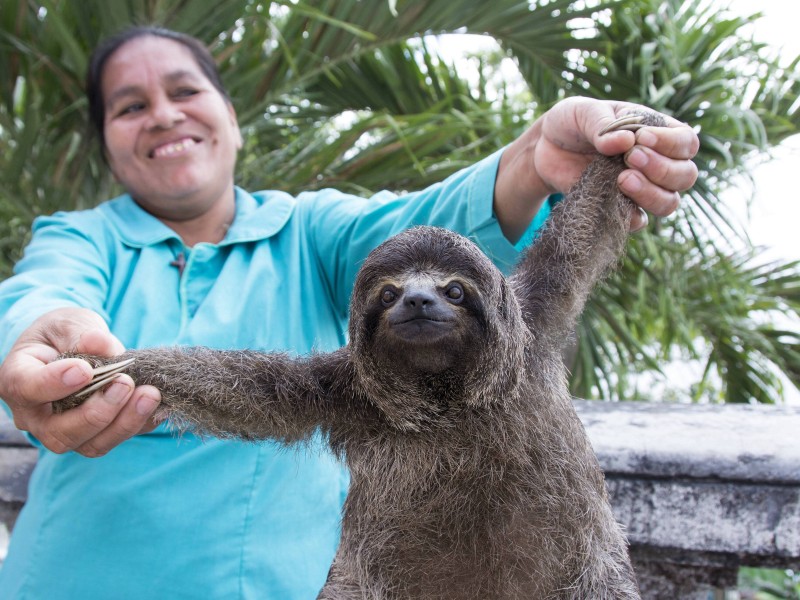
(550, 156)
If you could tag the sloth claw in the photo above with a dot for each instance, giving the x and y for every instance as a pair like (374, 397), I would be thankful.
(103, 376)
(626, 123)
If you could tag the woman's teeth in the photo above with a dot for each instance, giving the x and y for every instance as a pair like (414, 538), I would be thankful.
(173, 148)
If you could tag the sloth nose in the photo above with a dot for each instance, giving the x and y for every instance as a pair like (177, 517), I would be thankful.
(419, 299)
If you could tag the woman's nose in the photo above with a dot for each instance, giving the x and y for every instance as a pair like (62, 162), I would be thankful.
(164, 113)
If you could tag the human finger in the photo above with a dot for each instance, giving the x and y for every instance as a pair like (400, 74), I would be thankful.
(30, 374)
(26, 379)
(677, 142)
(575, 124)
(99, 342)
(615, 127)
(136, 416)
(72, 429)
(647, 195)
(671, 174)
(63, 328)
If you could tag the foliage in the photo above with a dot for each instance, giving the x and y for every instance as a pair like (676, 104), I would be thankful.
(686, 283)
(769, 584)
(351, 94)
(301, 64)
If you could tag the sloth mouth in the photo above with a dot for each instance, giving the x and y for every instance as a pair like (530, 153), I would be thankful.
(423, 320)
(422, 329)
(424, 324)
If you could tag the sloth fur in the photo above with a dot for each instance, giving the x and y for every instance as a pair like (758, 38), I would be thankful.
(471, 475)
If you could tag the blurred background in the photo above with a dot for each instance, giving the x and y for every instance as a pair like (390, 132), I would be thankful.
(371, 95)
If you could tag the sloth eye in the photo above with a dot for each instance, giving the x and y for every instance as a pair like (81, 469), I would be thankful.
(454, 293)
(388, 296)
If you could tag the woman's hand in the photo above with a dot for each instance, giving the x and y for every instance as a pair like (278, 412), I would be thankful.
(550, 156)
(31, 379)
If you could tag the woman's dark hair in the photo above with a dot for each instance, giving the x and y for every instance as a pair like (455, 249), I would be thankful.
(104, 50)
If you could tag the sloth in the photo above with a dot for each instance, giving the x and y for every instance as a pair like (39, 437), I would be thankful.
(471, 475)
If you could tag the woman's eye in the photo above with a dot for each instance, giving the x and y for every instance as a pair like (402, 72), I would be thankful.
(388, 296)
(131, 108)
(185, 92)
(454, 292)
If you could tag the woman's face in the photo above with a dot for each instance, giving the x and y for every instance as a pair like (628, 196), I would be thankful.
(171, 138)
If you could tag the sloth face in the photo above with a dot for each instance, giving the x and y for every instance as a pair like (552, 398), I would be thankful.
(420, 308)
(426, 301)
(423, 320)
(430, 315)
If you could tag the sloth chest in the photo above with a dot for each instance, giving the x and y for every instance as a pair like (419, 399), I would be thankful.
(428, 477)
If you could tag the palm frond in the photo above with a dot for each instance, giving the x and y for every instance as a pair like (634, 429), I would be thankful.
(349, 94)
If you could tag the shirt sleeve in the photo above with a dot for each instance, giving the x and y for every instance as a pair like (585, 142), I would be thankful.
(346, 228)
(63, 266)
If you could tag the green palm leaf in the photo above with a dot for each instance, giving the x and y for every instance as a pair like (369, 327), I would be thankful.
(349, 94)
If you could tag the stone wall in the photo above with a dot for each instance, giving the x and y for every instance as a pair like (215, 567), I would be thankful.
(701, 490)
(17, 459)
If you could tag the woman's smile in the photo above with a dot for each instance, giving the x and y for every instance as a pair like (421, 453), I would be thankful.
(173, 149)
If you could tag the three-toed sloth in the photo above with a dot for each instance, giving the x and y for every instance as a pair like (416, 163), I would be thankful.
(471, 475)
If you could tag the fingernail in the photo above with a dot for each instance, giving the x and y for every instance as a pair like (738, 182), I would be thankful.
(647, 138)
(116, 393)
(146, 405)
(74, 376)
(636, 158)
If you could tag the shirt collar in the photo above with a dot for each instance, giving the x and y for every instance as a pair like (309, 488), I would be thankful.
(258, 216)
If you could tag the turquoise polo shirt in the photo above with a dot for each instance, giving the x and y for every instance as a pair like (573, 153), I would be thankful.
(174, 516)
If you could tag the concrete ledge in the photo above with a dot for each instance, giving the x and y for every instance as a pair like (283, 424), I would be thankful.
(730, 442)
(702, 490)
(757, 524)
(17, 459)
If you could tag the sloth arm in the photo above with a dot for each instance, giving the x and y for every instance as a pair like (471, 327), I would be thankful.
(241, 394)
(583, 239)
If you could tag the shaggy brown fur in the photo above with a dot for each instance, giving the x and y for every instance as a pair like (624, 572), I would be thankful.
(472, 477)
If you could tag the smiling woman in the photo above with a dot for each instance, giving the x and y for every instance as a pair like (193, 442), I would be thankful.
(170, 136)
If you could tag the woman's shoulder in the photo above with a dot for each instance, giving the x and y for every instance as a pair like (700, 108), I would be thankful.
(119, 220)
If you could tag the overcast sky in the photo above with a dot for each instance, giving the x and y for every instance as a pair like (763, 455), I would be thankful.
(775, 213)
